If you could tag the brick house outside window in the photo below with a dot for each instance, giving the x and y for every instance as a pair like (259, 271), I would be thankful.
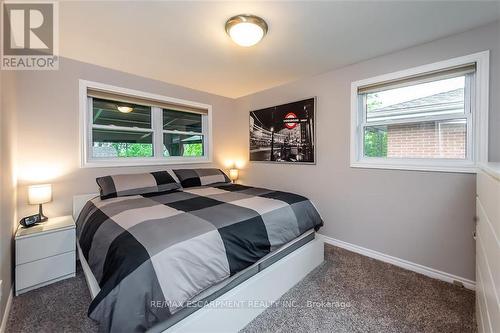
(433, 139)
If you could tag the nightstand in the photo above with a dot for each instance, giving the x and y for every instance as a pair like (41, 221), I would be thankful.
(45, 253)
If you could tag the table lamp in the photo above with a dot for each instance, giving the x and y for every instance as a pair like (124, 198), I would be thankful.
(233, 174)
(38, 195)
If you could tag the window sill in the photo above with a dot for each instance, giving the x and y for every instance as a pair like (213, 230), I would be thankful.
(142, 162)
(460, 167)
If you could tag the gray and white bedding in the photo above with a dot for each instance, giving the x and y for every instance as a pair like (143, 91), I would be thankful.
(152, 253)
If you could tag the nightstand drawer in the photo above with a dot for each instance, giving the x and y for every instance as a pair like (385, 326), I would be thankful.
(41, 271)
(44, 245)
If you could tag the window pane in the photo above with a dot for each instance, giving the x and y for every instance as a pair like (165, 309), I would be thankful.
(111, 143)
(442, 97)
(182, 121)
(375, 141)
(434, 139)
(182, 145)
(106, 112)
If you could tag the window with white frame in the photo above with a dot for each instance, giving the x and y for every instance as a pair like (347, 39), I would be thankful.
(427, 118)
(125, 127)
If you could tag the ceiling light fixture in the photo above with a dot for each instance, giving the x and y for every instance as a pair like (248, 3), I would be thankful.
(246, 30)
(125, 109)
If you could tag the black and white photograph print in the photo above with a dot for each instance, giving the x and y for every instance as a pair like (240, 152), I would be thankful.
(284, 133)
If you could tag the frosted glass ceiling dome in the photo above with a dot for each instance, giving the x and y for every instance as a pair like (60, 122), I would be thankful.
(246, 30)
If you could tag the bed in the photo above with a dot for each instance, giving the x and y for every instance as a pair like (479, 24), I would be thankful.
(205, 258)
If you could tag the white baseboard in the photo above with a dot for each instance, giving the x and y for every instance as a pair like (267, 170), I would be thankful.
(411, 266)
(5, 317)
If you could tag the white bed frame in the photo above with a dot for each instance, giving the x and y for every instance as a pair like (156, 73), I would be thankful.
(261, 290)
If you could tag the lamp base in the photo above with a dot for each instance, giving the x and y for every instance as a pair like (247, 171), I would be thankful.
(43, 218)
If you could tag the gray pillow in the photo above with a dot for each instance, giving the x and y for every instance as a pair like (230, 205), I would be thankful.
(134, 184)
(199, 177)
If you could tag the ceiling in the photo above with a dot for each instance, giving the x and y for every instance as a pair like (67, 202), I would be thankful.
(184, 43)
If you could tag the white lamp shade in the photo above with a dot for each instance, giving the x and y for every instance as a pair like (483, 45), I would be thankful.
(233, 174)
(39, 194)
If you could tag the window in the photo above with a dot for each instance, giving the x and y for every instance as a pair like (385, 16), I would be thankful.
(427, 118)
(117, 134)
(125, 127)
(182, 133)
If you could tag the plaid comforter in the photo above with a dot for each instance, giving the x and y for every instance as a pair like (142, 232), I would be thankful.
(165, 248)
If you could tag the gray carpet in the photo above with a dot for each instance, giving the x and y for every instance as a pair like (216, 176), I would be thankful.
(347, 293)
(367, 295)
(59, 307)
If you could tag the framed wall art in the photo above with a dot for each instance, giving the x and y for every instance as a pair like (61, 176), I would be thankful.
(284, 133)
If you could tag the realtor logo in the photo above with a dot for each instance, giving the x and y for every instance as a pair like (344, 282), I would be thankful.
(30, 35)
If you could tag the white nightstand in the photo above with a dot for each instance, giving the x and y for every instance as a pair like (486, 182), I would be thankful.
(45, 253)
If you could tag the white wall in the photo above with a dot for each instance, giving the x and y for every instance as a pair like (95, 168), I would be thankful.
(423, 217)
(8, 186)
(48, 138)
